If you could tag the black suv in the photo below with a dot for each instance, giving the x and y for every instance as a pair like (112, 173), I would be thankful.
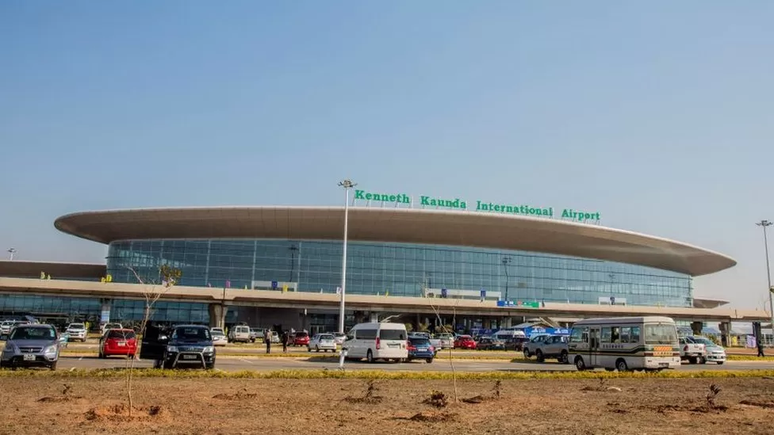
(183, 345)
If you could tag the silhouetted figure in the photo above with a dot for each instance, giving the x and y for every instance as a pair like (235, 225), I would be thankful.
(285, 341)
(760, 348)
(267, 339)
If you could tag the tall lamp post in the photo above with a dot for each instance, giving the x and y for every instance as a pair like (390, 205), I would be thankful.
(346, 184)
(11, 252)
(763, 224)
(506, 262)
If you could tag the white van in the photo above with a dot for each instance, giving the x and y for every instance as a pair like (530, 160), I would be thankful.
(374, 341)
(239, 333)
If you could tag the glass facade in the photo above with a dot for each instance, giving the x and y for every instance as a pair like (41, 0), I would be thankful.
(400, 269)
(88, 309)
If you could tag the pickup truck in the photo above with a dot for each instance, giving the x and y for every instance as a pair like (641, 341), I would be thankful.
(692, 352)
(446, 340)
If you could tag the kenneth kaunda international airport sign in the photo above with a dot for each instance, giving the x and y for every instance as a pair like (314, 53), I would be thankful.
(482, 206)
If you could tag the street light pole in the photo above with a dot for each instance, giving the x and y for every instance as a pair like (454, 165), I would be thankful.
(763, 224)
(346, 184)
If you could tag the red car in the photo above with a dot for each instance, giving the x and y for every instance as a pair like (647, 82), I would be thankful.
(301, 339)
(464, 342)
(118, 342)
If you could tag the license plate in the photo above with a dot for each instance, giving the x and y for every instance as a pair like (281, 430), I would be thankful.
(121, 343)
(663, 364)
(422, 349)
(393, 345)
(190, 357)
(29, 357)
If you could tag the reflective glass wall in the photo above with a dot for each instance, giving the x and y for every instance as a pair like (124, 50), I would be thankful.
(400, 269)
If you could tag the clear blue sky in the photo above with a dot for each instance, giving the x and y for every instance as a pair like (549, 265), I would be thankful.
(657, 114)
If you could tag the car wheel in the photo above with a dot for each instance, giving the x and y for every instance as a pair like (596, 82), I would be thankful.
(526, 353)
(168, 365)
(539, 355)
(309, 349)
(580, 364)
(370, 356)
(563, 357)
(210, 366)
(53, 365)
(621, 365)
(130, 356)
(692, 360)
(702, 360)
(429, 360)
(720, 363)
(317, 348)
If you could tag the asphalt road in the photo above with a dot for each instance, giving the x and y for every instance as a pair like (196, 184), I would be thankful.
(271, 364)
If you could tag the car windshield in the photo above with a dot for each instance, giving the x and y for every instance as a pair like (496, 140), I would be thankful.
(116, 333)
(191, 334)
(22, 333)
(660, 334)
(326, 337)
(704, 341)
(301, 335)
(76, 326)
(419, 341)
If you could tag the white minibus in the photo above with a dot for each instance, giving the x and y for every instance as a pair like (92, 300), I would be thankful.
(374, 341)
(625, 343)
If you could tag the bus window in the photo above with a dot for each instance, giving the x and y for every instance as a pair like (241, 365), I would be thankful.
(605, 335)
(579, 335)
(615, 335)
(635, 335)
(660, 334)
(626, 332)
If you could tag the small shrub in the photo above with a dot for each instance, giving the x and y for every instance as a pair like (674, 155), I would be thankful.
(437, 399)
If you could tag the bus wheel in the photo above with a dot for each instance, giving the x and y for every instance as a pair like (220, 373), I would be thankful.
(580, 364)
(621, 365)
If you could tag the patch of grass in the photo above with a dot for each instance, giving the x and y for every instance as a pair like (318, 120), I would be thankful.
(385, 375)
(749, 358)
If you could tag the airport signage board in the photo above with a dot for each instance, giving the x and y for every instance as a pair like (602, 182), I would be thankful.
(425, 201)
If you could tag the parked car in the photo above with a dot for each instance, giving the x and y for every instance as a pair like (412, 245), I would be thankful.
(216, 329)
(218, 337)
(529, 347)
(7, 325)
(256, 334)
(275, 338)
(446, 340)
(435, 342)
(300, 339)
(339, 337)
(489, 343)
(108, 326)
(694, 353)
(185, 345)
(239, 334)
(464, 342)
(31, 346)
(324, 342)
(77, 331)
(420, 348)
(118, 342)
(554, 346)
(377, 340)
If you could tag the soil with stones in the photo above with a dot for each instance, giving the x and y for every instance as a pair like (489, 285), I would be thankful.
(277, 406)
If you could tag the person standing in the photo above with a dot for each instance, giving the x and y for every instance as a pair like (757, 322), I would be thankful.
(267, 339)
(285, 339)
(760, 347)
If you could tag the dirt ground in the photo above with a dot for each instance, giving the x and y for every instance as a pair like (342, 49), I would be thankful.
(332, 406)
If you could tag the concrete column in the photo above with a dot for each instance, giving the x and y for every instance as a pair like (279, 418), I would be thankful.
(696, 327)
(218, 314)
(373, 317)
(105, 310)
(725, 333)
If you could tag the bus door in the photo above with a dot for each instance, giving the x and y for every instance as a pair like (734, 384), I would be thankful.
(594, 336)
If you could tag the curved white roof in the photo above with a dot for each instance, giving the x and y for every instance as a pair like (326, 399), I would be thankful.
(483, 230)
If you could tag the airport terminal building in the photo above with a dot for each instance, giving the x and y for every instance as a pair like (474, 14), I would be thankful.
(509, 254)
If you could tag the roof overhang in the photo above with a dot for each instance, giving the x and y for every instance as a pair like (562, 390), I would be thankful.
(32, 269)
(473, 229)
